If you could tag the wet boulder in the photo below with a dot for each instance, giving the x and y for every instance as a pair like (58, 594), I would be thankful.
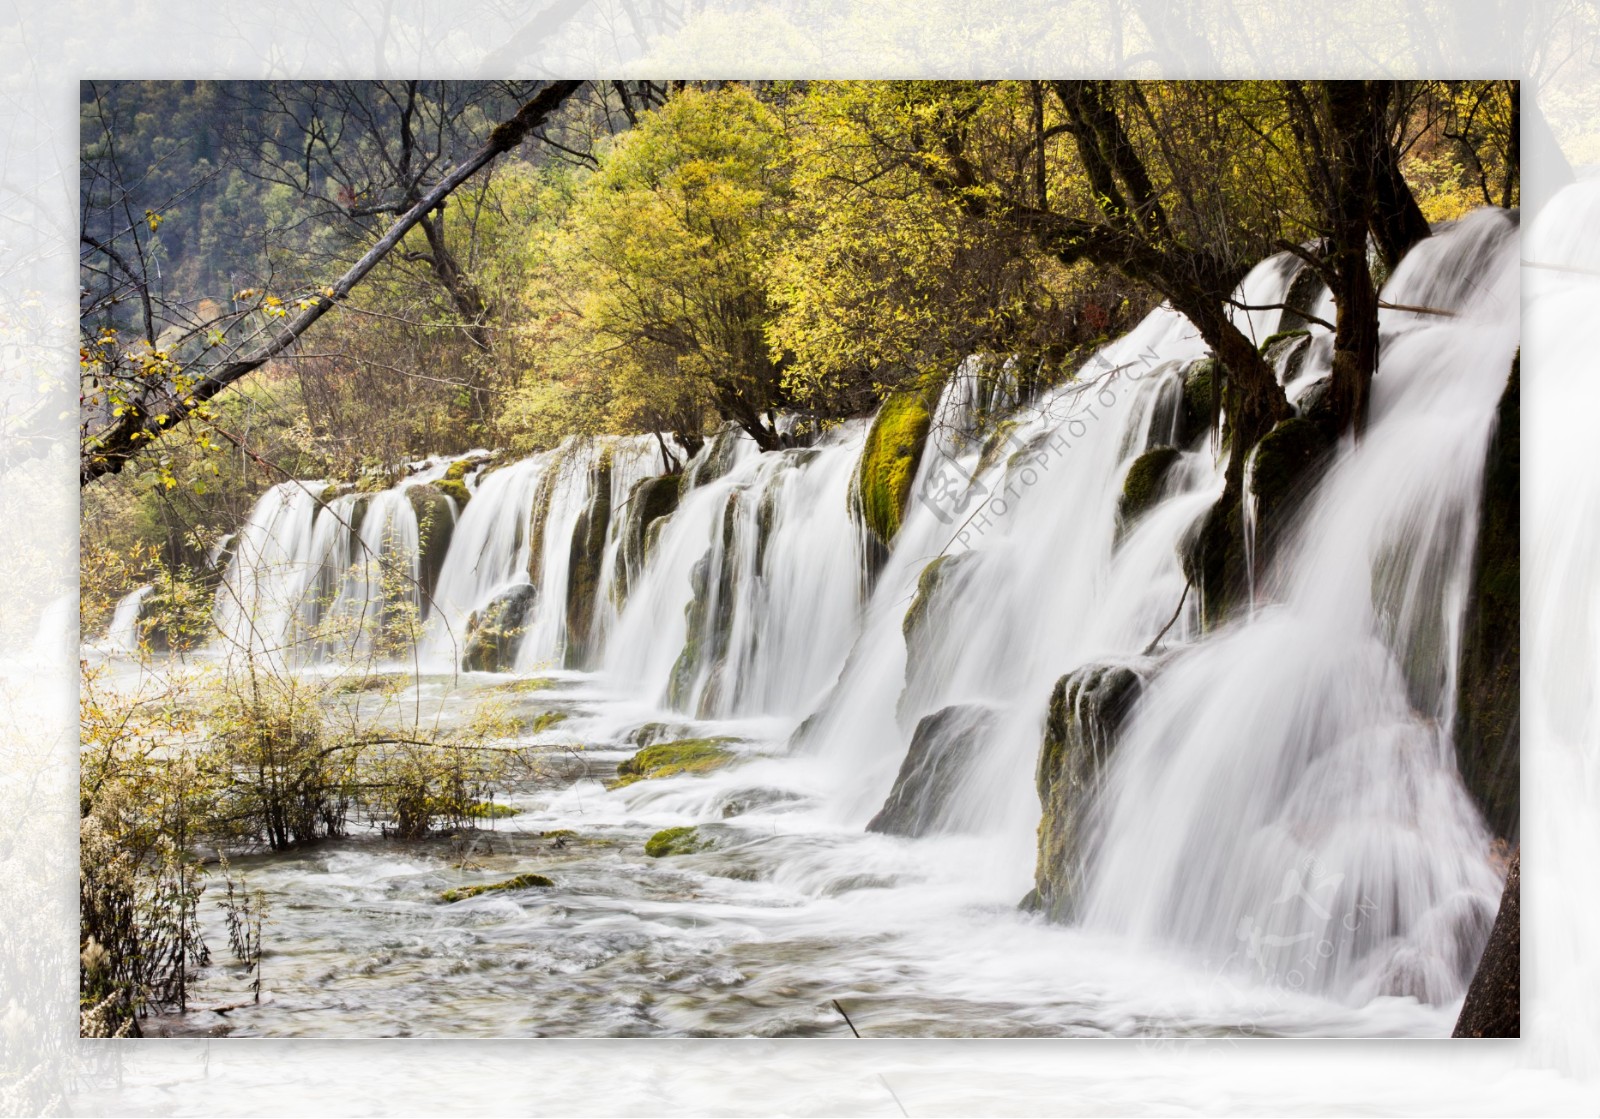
(934, 771)
(1202, 401)
(495, 632)
(1087, 710)
(1489, 683)
(1144, 484)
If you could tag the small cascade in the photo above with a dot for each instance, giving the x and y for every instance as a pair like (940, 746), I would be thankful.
(124, 631)
(275, 556)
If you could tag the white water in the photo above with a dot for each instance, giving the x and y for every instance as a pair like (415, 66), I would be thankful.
(1281, 843)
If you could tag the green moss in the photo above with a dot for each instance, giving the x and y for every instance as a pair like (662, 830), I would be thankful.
(1282, 336)
(889, 461)
(686, 755)
(1142, 486)
(544, 721)
(520, 882)
(676, 841)
(490, 810)
(456, 489)
(558, 833)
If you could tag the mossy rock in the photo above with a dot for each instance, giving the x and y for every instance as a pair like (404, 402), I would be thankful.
(455, 489)
(539, 516)
(1087, 710)
(651, 502)
(665, 759)
(586, 558)
(677, 841)
(520, 882)
(1143, 485)
(1304, 291)
(1213, 559)
(495, 633)
(1202, 400)
(1489, 682)
(491, 810)
(1287, 463)
(714, 460)
(542, 722)
(357, 684)
(1002, 438)
(939, 580)
(889, 462)
(651, 733)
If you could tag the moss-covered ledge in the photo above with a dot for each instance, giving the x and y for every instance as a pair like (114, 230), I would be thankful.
(889, 461)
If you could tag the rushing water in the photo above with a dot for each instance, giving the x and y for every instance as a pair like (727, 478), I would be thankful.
(1280, 845)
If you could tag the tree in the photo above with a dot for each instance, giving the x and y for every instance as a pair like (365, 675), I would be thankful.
(886, 281)
(157, 392)
(657, 276)
(1146, 187)
(1346, 136)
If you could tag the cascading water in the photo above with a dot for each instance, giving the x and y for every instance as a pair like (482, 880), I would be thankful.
(123, 633)
(1285, 794)
(1279, 807)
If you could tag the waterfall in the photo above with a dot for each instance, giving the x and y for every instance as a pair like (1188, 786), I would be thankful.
(1279, 801)
(124, 632)
(1284, 796)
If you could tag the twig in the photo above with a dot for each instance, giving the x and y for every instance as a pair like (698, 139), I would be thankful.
(1150, 648)
(853, 1029)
